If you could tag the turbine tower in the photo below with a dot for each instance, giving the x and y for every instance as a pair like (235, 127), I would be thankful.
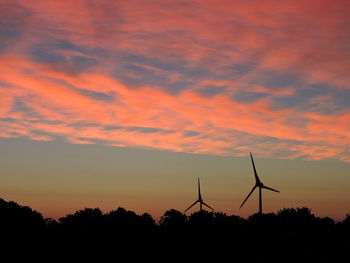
(259, 184)
(200, 200)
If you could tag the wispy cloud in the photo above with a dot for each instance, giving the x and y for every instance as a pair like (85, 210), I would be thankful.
(201, 77)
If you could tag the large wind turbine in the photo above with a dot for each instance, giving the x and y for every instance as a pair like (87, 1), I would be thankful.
(259, 184)
(200, 200)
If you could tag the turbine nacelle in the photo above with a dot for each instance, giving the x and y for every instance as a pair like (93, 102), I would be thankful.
(259, 184)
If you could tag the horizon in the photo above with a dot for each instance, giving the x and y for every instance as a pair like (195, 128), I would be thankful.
(127, 103)
(174, 185)
(158, 220)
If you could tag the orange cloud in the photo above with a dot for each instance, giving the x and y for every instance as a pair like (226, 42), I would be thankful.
(202, 77)
(211, 118)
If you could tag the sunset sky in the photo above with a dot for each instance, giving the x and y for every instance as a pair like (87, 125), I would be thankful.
(126, 103)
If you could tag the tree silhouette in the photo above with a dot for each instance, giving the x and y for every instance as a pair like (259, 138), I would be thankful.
(83, 221)
(290, 235)
(299, 220)
(19, 220)
(201, 219)
(127, 222)
(173, 220)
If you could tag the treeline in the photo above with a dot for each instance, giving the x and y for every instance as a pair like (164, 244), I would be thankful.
(291, 234)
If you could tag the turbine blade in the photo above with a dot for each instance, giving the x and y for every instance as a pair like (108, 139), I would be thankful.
(270, 189)
(208, 206)
(191, 206)
(255, 173)
(248, 196)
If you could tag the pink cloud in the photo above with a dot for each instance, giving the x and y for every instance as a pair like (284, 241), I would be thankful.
(229, 47)
(154, 108)
(40, 137)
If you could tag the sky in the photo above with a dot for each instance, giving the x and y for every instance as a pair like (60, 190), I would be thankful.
(126, 103)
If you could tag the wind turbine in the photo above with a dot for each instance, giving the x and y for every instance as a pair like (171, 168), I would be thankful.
(259, 184)
(200, 200)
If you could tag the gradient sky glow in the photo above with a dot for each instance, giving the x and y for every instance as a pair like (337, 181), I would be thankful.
(144, 96)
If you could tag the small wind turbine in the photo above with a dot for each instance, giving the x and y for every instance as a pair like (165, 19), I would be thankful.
(259, 184)
(200, 200)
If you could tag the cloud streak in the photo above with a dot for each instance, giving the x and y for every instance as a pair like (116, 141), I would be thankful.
(197, 77)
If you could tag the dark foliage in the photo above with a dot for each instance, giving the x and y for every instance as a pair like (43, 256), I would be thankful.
(18, 220)
(291, 235)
